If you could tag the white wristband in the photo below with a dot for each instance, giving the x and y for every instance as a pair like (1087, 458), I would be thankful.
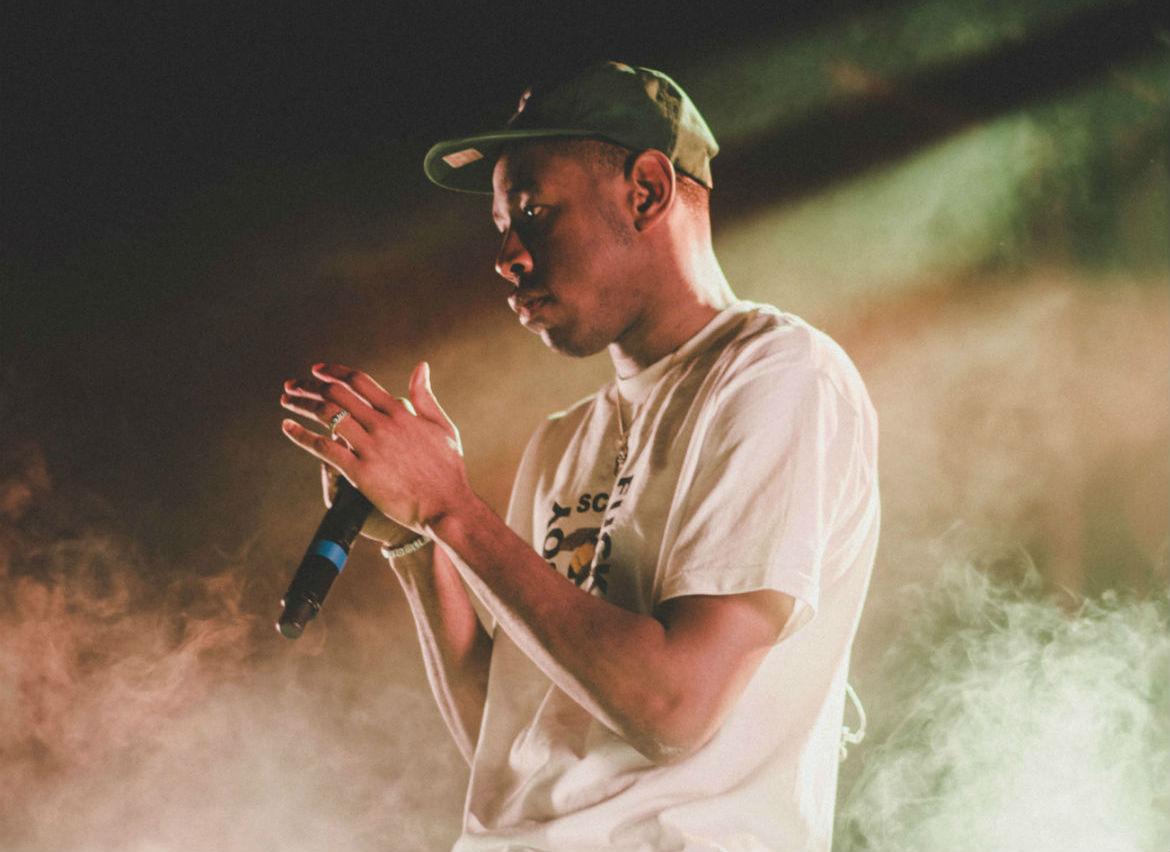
(404, 549)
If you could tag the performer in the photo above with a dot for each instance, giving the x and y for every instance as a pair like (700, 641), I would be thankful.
(671, 602)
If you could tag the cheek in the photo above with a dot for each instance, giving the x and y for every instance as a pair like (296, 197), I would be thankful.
(582, 269)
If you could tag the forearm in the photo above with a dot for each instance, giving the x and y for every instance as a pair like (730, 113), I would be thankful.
(615, 663)
(456, 649)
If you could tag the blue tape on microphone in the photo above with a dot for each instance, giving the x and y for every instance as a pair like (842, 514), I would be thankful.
(332, 551)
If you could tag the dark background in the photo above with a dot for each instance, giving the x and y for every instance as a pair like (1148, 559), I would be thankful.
(170, 170)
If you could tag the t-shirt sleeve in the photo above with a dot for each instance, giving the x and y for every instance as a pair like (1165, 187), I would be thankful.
(778, 455)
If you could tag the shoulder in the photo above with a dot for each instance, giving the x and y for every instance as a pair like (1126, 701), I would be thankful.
(568, 420)
(557, 430)
(774, 351)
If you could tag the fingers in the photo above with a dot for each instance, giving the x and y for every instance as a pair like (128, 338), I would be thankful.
(335, 389)
(322, 400)
(333, 453)
(345, 428)
(299, 402)
(328, 485)
(359, 383)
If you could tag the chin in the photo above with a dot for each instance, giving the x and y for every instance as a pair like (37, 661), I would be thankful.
(558, 341)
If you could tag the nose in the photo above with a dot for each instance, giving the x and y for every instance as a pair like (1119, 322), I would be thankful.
(513, 260)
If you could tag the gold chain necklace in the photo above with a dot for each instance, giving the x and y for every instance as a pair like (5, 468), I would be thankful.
(622, 445)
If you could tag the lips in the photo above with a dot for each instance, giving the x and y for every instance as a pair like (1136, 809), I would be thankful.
(527, 304)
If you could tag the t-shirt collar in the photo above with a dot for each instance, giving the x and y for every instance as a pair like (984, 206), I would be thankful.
(634, 389)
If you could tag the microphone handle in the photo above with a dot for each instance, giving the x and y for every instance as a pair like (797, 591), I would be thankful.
(324, 559)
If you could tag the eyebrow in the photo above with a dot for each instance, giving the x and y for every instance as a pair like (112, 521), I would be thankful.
(525, 185)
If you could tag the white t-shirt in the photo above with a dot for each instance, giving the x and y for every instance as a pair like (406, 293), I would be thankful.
(752, 465)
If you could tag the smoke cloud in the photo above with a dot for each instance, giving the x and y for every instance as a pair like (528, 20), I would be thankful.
(148, 708)
(1014, 724)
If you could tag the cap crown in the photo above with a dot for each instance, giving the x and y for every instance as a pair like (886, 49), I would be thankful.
(636, 108)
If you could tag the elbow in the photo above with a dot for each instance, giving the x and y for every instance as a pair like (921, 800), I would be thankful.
(667, 749)
(672, 732)
(662, 753)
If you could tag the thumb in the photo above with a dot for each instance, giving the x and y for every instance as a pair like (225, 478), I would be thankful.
(328, 485)
(423, 398)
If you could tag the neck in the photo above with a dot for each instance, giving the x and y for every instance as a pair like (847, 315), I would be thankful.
(680, 301)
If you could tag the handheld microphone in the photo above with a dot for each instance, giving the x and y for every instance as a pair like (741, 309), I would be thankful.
(324, 559)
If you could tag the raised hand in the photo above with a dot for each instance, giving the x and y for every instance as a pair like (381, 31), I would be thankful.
(403, 454)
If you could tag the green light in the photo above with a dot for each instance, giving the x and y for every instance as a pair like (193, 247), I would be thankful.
(765, 86)
(1078, 181)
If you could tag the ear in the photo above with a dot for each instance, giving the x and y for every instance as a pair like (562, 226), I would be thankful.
(652, 176)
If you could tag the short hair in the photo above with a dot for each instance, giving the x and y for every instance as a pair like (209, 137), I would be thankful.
(607, 157)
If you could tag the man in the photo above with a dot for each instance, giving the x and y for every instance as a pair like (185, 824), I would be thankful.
(677, 681)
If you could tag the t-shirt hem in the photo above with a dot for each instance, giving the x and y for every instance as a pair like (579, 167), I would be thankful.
(805, 593)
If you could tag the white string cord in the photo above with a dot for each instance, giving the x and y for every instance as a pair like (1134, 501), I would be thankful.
(852, 737)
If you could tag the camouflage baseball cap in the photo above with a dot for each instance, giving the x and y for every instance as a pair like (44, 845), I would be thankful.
(636, 108)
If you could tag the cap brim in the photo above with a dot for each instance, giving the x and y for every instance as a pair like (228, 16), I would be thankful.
(465, 165)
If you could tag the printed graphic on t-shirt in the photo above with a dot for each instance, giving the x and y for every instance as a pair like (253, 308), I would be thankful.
(577, 541)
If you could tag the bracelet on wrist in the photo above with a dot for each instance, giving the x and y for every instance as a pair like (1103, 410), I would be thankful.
(405, 549)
